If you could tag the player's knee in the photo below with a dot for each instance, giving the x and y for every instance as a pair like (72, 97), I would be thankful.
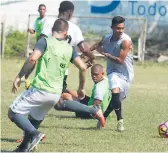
(66, 96)
(10, 114)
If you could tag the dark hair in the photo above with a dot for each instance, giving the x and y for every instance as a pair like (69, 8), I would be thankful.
(66, 5)
(60, 25)
(117, 20)
(41, 6)
(99, 66)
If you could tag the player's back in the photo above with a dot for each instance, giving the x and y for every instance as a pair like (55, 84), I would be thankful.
(75, 36)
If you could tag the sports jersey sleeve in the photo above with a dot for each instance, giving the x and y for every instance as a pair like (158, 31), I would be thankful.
(79, 36)
(99, 92)
(41, 45)
(74, 55)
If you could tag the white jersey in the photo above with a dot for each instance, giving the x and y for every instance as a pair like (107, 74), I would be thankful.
(125, 70)
(74, 32)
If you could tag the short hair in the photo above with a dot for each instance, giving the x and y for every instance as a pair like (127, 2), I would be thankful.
(41, 6)
(97, 66)
(60, 25)
(117, 20)
(66, 5)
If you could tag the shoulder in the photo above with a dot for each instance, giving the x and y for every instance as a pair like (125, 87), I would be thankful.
(107, 36)
(126, 37)
(74, 26)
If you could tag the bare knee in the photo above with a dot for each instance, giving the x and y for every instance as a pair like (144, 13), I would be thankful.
(116, 90)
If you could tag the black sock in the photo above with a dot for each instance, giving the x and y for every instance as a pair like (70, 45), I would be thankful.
(118, 114)
(27, 137)
(74, 106)
(113, 104)
(35, 123)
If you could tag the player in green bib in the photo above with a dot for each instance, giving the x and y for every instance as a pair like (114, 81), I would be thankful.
(55, 55)
(101, 95)
(40, 21)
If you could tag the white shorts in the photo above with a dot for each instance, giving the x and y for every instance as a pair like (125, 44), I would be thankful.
(116, 81)
(35, 102)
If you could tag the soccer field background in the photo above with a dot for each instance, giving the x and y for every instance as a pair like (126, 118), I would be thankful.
(144, 109)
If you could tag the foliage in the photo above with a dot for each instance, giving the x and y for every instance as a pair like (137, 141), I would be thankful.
(15, 43)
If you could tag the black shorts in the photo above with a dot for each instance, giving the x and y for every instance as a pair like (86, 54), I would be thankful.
(84, 115)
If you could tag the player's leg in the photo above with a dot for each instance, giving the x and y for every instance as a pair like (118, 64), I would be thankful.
(84, 115)
(28, 104)
(17, 111)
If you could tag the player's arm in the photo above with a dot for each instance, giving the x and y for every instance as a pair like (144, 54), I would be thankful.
(28, 65)
(86, 51)
(79, 41)
(76, 60)
(125, 48)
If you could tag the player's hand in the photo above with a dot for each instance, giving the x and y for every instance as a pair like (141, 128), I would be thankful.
(16, 84)
(27, 83)
(89, 61)
(81, 93)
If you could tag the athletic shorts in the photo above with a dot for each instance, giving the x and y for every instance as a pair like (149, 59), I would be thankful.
(35, 102)
(116, 81)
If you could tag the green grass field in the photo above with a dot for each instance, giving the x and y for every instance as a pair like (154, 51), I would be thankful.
(144, 109)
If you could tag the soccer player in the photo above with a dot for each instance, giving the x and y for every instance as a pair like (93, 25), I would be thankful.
(54, 54)
(101, 95)
(117, 48)
(74, 37)
(40, 21)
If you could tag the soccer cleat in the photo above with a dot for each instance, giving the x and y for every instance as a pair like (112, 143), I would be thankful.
(21, 139)
(120, 125)
(99, 115)
(35, 141)
(20, 150)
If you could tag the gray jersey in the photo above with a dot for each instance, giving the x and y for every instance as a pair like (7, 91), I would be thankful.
(125, 70)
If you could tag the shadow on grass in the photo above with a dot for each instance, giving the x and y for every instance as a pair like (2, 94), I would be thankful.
(8, 140)
(6, 151)
(60, 116)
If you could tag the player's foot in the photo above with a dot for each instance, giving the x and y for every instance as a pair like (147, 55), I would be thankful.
(21, 139)
(99, 115)
(120, 125)
(22, 148)
(35, 141)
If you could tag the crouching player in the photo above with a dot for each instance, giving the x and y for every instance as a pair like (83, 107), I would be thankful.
(101, 96)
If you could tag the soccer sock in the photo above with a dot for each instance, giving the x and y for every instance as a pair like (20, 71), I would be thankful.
(114, 102)
(23, 122)
(64, 83)
(119, 114)
(35, 123)
(75, 106)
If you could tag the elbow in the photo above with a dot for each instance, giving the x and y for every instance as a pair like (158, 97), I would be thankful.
(120, 61)
(83, 69)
